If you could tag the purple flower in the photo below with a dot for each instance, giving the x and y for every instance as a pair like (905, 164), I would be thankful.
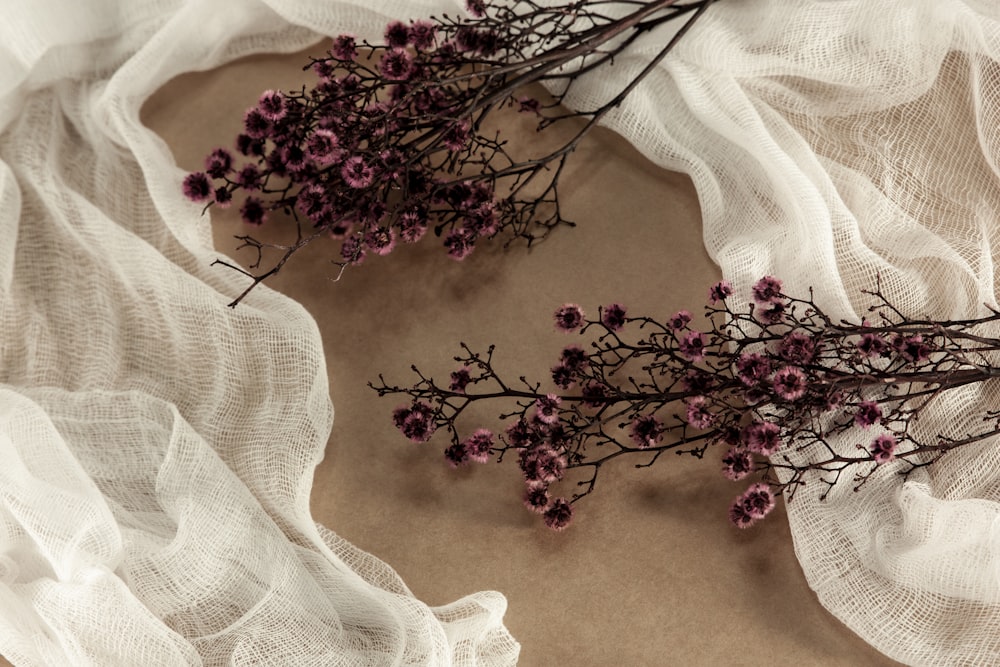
(767, 290)
(573, 357)
(415, 421)
(477, 446)
(412, 225)
(536, 497)
(223, 197)
(773, 314)
(456, 136)
(542, 464)
(737, 463)
(559, 514)
(595, 395)
(646, 431)
(272, 105)
(679, 320)
(698, 414)
(758, 500)
(528, 105)
(562, 376)
(460, 379)
(872, 345)
(321, 146)
(380, 240)
(868, 414)
(396, 64)
(356, 172)
(456, 455)
(797, 348)
(739, 514)
(569, 317)
(883, 448)
(351, 251)
(248, 178)
(422, 35)
(912, 348)
(692, 346)
(459, 243)
(253, 212)
(789, 383)
(218, 163)
(476, 7)
(256, 124)
(397, 34)
(761, 437)
(547, 408)
(344, 48)
(752, 368)
(697, 381)
(719, 291)
(613, 316)
(197, 187)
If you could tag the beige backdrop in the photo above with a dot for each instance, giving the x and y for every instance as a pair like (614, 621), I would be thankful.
(650, 573)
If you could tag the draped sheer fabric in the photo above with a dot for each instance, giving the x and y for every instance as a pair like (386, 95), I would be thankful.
(158, 447)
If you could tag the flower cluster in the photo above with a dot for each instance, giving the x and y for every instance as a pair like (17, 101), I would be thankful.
(390, 141)
(777, 387)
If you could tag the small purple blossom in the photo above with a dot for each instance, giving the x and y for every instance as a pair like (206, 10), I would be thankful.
(758, 500)
(559, 514)
(547, 408)
(646, 431)
(218, 163)
(767, 290)
(528, 105)
(249, 178)
(253, 211)
(679, 320)
(569, 317)
(797, 348)
(396, 64)
(774, 313)
(752, 368)
(536, 497)
(422, 35)
(789, 383)
(256, 124)
(692, 346)
(562, 376)
(720, 291)
(356, 172)
(459, 243)
(380, 240)
(573, 357)
(476, 7)
(613, 316)
(737, 463)
(321, 146)
(543, 464)
(761, 437)
(456, 136)
(412, 225)
(397, 34)
(868, 414)
(883, 448)
(698, 415)
(460, 379)
(416, 421)
(477, 446)
(872, 345)
(223, 197)
(912, 348)
(197, 187)
(272, 105)
(344, 48)
(739, 514)
(456, 455)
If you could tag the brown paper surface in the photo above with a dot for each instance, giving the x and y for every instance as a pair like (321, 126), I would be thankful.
(650, 573)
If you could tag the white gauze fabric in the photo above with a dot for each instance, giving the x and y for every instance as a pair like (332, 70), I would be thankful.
(157, 446)
(831, 142)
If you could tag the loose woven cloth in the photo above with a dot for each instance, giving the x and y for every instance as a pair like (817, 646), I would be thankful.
(158, 447)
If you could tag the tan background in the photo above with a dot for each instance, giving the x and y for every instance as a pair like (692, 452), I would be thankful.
(650, 573)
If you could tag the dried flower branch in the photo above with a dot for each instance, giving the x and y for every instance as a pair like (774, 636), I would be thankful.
(392, 139)
(772, 385)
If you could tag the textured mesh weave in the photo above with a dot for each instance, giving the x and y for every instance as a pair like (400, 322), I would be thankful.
(158, 447)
